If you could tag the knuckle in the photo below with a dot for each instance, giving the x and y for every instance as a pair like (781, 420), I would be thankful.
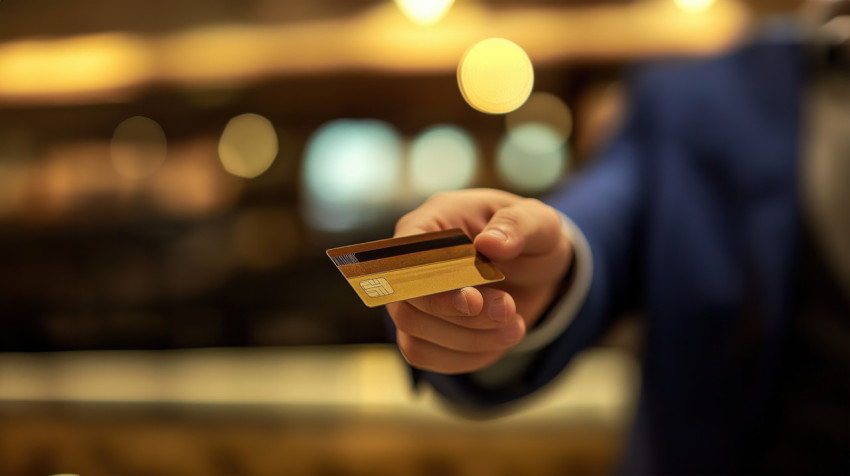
(412, 353)
(439, 198)
(510, 216)
(405, 320)
(544, 209)
(510, 220)
(554, 216)
(406, 221)
(428, 304)
(532, 202)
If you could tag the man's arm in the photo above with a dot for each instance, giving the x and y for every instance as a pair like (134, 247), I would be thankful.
(605, 204)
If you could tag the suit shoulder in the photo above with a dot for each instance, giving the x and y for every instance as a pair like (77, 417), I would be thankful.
(752, 68)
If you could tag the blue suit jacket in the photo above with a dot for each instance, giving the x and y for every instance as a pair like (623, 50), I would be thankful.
(692, 215)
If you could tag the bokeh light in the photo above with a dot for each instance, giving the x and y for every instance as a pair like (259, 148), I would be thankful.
(695, 6)
(138, 147)
(248, 145)
(351, 173)
(531, 158)
(442, 158)
(495, 76)
(74, 68)
(425, 12)
(546, 109)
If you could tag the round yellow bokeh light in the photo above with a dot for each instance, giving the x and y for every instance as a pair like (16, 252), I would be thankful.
(248, 145)
(495, 76)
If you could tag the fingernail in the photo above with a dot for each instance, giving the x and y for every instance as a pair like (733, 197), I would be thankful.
(512, 333)
(460, 302)
(499, 310)
(498, 234)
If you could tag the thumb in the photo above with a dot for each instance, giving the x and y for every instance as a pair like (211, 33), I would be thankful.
(527, 228)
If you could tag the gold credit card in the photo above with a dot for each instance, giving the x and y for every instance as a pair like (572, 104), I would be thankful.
(396, 269)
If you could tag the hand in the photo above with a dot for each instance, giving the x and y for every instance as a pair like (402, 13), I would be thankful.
(470, 328)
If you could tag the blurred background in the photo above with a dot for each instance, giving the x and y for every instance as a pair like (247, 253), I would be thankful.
(171, 173)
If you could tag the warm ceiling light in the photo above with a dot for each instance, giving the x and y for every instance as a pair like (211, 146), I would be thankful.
(695, 6)
(425, 12)
(73, 67)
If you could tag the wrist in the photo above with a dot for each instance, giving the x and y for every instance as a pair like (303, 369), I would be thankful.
(568, 297)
